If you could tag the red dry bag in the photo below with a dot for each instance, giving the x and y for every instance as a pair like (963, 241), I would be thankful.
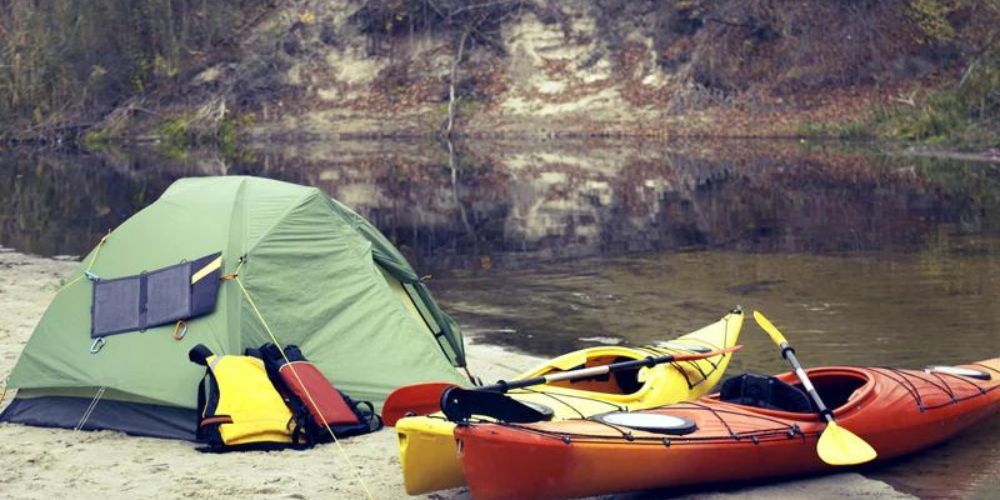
(316, 403)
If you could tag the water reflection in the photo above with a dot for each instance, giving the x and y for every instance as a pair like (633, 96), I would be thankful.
(909, 309)
(61, 204)
(516, 204)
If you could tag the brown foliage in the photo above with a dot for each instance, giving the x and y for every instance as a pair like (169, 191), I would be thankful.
(72, 60)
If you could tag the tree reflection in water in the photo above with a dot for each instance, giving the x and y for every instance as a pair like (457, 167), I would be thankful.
(518, 204)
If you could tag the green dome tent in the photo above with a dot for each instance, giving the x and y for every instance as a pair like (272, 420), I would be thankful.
(310, 271)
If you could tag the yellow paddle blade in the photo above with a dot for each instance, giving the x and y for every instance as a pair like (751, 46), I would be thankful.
(771, 330)
(839, 446)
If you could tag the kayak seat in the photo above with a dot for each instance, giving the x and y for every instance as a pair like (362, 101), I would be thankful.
(628, 380)
(837, 389)
(620, 382)
(761, 391)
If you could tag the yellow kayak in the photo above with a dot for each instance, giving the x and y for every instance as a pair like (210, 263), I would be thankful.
(427, 447)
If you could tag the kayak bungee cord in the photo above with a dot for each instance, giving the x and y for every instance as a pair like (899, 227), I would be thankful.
(690, 363)
(781, 429)
(340, 448)
(739, 434)
(987, 367)
(677, 346)
(655, 350)
(426, 398)
(428, 447)
(903, 380)
(459, 404)
(559, 398)
(944, 385)
(715, 365)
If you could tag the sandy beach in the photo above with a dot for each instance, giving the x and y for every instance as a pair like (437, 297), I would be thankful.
(53, 463)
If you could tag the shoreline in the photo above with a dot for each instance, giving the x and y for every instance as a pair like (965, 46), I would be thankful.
(41, 463)
(477, 143)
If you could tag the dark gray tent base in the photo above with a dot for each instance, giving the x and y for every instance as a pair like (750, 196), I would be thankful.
(131, 418)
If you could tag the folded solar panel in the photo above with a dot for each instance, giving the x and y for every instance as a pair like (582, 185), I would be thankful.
(166, 295)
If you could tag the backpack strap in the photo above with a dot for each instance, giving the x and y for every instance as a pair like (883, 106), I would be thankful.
(208, 423)
(199, 354)
(370, 416)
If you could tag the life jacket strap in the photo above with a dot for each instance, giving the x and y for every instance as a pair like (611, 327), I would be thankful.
(216, 420)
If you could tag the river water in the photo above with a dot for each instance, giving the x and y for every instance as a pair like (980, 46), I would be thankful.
(859, 256)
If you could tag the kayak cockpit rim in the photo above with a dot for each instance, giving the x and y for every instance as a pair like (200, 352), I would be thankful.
(624, 382)
(844, 389)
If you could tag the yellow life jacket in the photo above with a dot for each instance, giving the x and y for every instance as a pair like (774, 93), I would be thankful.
(237, 404)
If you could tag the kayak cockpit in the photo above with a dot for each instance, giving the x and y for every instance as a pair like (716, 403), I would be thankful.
(619, 382)
(631, 384)
(837, 388)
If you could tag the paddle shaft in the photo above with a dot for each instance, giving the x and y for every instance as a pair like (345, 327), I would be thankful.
(789, 354)
(460, 404)
(419, 399)
(504, 386)
(836, 445)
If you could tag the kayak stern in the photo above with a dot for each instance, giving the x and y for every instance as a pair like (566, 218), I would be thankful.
(427, 455)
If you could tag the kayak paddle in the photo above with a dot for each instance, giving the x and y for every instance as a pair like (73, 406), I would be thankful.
(837, 445)
(459, 405)
(422, 399)
(416, 399)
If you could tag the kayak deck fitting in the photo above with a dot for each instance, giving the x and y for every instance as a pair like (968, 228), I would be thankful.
(427, 450)
(896, 411)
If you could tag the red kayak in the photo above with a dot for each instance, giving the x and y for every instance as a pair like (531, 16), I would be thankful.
(756, 427)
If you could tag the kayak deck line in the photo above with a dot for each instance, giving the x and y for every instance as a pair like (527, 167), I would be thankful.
(784, 431)
(690, 364)
(990, 368)
(745, 435)
(560, 397)
(900, 377)
(720, 408)
(427, 445)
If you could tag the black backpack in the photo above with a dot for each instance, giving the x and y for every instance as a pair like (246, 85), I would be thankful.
(314, 401)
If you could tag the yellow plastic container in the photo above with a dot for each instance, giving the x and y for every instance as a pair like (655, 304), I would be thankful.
(427, 447)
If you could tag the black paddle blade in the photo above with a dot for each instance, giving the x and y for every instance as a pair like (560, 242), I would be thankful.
(461, 404)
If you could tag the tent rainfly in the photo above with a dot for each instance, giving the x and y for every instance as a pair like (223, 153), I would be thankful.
(232, 263)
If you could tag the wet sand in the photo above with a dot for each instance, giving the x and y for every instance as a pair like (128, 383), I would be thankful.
(47, 463)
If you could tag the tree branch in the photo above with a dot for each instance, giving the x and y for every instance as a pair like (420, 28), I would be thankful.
(451, 84)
